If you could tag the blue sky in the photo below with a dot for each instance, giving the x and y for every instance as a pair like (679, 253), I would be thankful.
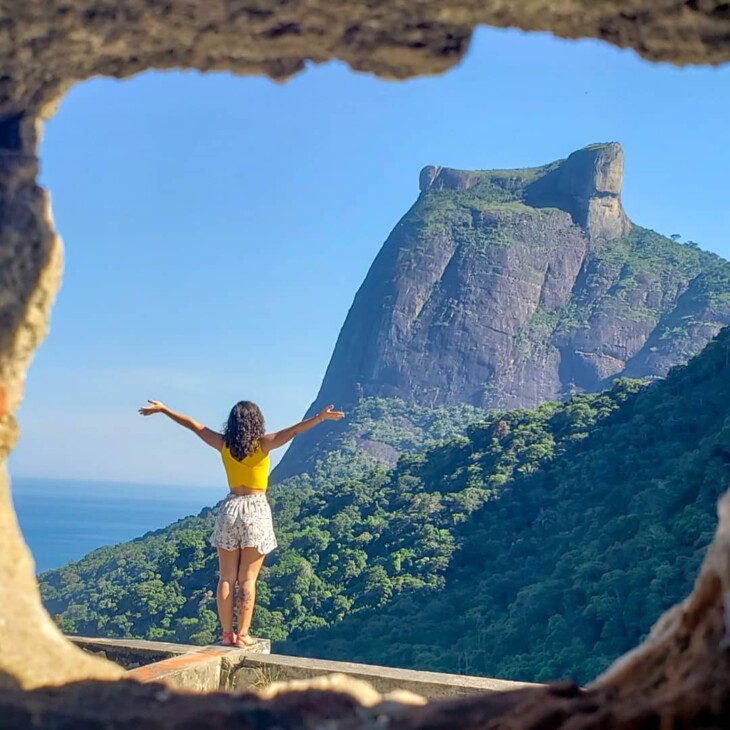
(216, 228)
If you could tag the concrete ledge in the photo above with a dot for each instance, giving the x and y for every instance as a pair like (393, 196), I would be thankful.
(196, 672)
(214, 668)
(132, 653)
(183, 666)
(208, 669)
(256, 671)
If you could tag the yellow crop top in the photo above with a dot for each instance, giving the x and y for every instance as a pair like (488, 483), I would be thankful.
(252, 472)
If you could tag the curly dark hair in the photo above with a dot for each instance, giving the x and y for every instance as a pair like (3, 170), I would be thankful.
(244, 428)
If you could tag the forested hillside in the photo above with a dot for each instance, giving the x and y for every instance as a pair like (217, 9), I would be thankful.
(537, 544)
(600, 527)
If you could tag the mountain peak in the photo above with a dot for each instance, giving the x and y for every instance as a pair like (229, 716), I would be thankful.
(587, 184)
(507, 288)
(597, 169)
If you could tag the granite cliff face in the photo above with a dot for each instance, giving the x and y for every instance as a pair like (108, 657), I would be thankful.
(509, 288)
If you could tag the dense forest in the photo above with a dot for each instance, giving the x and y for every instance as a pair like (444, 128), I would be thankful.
(600, 527)
(528, 544)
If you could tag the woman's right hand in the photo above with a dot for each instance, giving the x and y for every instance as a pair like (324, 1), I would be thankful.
(330, 414)
(154, 406)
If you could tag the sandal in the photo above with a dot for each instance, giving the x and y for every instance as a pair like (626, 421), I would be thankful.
(242, 643)
(229, 638)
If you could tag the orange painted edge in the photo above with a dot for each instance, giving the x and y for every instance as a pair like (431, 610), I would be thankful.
(157, 671)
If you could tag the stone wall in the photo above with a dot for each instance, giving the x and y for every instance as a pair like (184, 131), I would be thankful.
(136, 653)
(678, 679)
(214, 668)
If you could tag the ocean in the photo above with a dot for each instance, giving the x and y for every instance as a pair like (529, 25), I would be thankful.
(64, 520)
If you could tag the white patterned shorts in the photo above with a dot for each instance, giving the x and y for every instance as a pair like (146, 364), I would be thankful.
(244, 520)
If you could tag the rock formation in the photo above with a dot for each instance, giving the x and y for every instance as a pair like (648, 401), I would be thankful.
(47, 46)
(510, 288)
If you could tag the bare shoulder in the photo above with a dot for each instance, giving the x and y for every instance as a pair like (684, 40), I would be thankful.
(267, 442)
(212, 438)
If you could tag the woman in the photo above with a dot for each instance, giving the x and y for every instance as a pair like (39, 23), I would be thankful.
(243, 532)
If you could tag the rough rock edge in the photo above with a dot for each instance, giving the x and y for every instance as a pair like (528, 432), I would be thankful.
(47, 45)
(679, 678)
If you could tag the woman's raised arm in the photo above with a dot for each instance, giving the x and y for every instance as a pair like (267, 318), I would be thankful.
(271, 441)
(212, 438)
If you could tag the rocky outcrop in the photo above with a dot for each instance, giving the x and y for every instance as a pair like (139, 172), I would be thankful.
(510, 288)
(444, 178)
(45, 46)
(588, 186)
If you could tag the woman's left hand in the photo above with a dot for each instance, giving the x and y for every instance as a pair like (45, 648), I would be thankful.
(330, 414)
(154, 406)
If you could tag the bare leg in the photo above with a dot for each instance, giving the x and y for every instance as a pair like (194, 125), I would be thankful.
(248, 572)
(228, 562)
